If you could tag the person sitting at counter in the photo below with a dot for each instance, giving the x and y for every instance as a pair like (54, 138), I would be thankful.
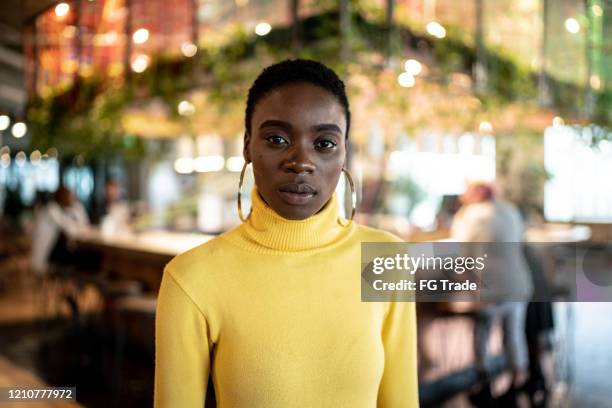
(271, 310)
(116, 217)
(54, 224)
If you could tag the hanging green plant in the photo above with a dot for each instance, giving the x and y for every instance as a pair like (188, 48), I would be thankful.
(88, 116)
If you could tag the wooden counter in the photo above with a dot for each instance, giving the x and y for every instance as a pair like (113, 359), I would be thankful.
(138, 256)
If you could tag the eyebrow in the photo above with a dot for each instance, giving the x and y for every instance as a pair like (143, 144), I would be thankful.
(287, 126)
(276, 123)
(327, 126)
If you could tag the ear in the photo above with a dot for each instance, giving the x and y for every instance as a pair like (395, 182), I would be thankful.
(245, 149)
(346, 152)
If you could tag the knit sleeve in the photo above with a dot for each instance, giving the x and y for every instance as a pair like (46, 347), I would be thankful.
(182, 348)
(399, 385)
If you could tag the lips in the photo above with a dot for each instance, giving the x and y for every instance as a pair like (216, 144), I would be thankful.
(298, 188)
(297, 193)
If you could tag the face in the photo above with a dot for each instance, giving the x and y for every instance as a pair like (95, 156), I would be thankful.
(475, 193)
(297, 146)
(113, 192)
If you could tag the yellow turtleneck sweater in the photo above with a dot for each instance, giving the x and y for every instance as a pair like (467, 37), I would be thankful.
(272, 311)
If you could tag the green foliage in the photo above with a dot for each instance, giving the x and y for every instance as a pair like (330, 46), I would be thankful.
(603, 109)
(88, 117)
(75, 127)
(521, 173)
(452, 55)
(508, 80)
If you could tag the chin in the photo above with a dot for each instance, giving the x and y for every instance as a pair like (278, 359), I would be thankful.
(297, 215)
(291, 212)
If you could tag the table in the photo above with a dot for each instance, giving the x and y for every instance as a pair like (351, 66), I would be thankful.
(138, 256)
(561, 233)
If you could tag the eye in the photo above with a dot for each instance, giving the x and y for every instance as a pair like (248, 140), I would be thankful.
(277, 140)
(325, 144)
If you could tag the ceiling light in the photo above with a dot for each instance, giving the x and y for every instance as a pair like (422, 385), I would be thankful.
(413, 67)
(5, 122)
(140, 63)
(140, 36)
(572, 25)
(189, 49)
(436, 29)
(62, 9)
(19, 129)
(262, 29)
(406, 80)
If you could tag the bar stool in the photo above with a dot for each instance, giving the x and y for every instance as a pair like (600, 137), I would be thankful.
(57, 288)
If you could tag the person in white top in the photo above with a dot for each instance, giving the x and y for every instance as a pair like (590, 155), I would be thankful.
(64, 214)
(486, 218)
(117, 216)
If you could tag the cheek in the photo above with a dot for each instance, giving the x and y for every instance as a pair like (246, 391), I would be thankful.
(264, 167)
(332, 171)
(336, 161)
(334, 166)
(260, 157)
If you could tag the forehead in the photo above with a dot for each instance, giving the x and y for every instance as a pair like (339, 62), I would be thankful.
(299, 104)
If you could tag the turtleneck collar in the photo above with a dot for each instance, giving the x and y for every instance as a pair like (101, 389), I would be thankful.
(268, 229)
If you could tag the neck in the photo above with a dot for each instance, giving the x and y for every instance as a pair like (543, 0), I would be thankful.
(269, 229)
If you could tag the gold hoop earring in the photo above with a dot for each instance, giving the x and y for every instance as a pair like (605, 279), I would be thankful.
(353, 195)
(240, 214)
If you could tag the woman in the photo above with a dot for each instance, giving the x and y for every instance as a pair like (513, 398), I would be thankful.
(271, 309)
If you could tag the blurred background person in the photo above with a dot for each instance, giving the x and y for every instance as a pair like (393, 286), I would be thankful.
(116, 216)
(448, 208)
(486, 218)
(54, 224)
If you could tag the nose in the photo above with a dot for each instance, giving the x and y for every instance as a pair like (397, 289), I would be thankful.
(298, 160)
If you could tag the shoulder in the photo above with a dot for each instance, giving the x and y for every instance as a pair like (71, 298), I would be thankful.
(370, 234)
(478, 211)
(52, 207)
(508, 207)
(201, 263)
(195, 256)
(78, 208)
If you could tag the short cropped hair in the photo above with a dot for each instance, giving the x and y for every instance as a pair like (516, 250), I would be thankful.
(294, 71)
